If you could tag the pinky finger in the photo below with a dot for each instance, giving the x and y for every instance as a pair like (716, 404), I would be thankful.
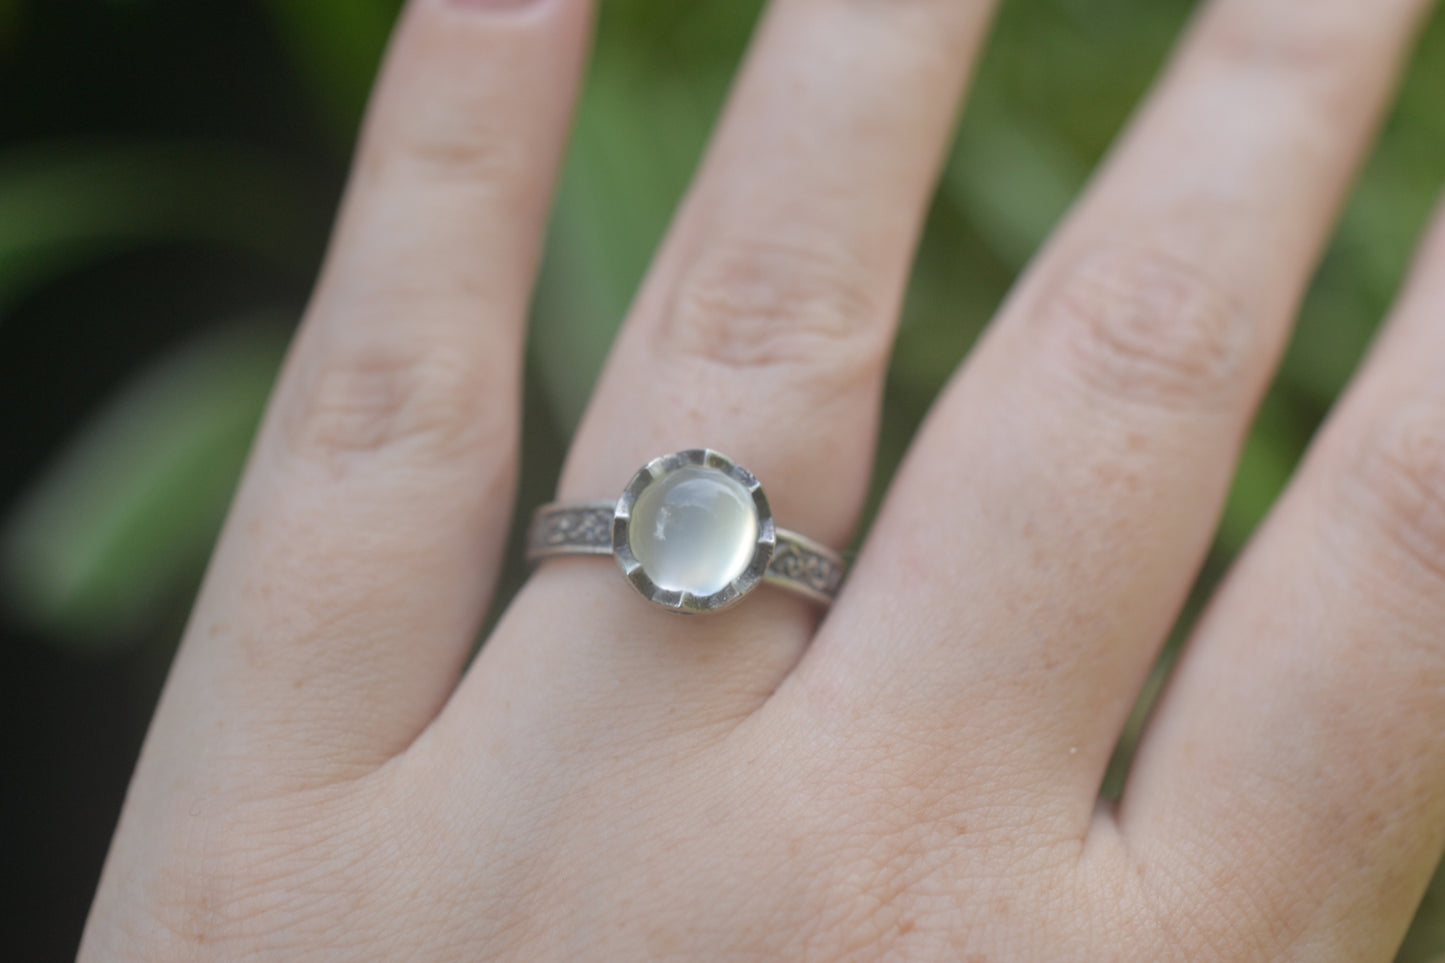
(1298, 761)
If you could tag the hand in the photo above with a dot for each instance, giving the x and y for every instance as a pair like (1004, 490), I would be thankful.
(915, 776)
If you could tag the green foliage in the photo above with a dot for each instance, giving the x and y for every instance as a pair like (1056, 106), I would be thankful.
(336, 47)
(64, 207)
(9, 15)
(1426, 942)
(658, 78)
(129, 511)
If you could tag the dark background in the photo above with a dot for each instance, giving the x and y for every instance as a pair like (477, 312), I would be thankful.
(168, 170)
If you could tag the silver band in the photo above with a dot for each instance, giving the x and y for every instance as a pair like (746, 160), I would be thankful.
(799, 564)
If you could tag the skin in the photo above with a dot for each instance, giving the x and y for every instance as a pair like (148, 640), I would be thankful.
(915, 776)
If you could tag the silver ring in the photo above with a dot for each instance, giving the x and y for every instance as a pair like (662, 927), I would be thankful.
(693, 532)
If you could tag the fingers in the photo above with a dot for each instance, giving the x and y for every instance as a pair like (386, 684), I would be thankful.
(1041, 536)
(363, 544)
(1303, 729)
(762, 331)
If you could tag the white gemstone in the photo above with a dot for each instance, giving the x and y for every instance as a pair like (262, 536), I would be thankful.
(694, 530)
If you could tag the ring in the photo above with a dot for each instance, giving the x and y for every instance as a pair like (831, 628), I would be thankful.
(693, 533)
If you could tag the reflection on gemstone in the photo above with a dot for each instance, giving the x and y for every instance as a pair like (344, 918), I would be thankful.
(694, 530)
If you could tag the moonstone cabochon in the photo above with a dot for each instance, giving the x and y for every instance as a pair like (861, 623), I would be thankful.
(694, 530)
(716, 538)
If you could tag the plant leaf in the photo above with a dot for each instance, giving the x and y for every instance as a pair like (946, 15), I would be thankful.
(658, 76)
(125, 516)
(337, 48)
(66, 205)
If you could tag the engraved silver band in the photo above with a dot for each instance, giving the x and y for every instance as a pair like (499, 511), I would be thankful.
(798, 563)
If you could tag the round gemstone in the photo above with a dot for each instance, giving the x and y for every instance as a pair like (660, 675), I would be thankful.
(694, 530)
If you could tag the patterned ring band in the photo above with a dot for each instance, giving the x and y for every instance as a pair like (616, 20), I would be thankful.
(693, 532)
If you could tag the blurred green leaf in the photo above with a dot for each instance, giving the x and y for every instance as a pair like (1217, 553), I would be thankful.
(337, 47)
(1335, 327)
(9, 17)
(1013, 179)
(1384, 221)
(611, 214)
(124, 517)
(1426, 941)
(1265, 466)
(658, 77)
(64, 206)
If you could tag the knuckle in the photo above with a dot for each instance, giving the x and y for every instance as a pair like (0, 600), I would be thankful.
(368, 400)
(1295, 45)
(1307, 60)
(1313, 54)
(1396, 482)
(440, 149)
(766, 304)
(1143, 328)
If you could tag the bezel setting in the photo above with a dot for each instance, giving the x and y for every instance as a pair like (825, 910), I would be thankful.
(677, 600)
